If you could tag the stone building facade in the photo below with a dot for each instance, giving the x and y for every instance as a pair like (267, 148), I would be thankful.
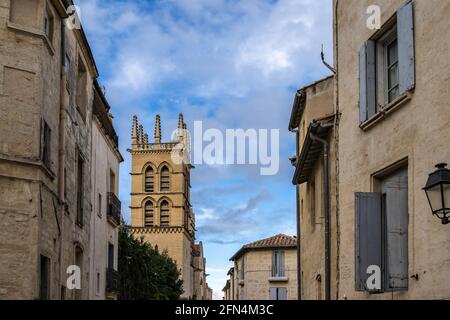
(391, 127)
(313, 116)
(47, 73)
(161, 210)
(106, 206)
(264, 270)
(201, 288)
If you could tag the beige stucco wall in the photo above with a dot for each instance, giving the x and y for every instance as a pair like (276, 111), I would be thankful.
(418, 131)
(258, 270)
(104, 160)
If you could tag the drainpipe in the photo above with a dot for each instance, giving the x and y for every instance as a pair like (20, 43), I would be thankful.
(326, 206)
(299, 248)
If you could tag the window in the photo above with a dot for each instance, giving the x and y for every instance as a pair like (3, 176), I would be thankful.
(110, 256)
(80, 172)
(241, 270)
(149, 179)
(67, 70)
(165, 214)
(165, 179)
(149, 214)
(386, 64)
(44, 287)
(381, 233)
(112, 181)
(277, 294)
(278, 264)
(46, 144)
(98, 283)
(81, 98)
(48, 24)
(24, 12)
(99, 213)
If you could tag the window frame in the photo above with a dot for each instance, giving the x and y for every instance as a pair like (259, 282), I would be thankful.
(382, 68)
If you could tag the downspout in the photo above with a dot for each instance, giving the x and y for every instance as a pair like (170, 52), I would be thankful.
(61, 150)
(326, 205)
(299, 248)
(336, 145)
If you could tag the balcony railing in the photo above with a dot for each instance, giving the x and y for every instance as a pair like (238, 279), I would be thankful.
(112, 280)
(114, 208)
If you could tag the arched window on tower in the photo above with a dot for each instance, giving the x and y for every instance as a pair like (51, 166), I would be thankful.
(165, 179)
(164, 214)
(149, 219)
(149, 179)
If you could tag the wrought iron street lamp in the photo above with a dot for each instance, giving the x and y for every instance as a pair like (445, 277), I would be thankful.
(438, 192)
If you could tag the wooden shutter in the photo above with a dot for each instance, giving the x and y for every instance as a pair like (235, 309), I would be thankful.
(395, 190)
(281, 263)
(368, 235)
(273, 294)
(274, 264)
(282, 294)
(405, 35)
(367, 81)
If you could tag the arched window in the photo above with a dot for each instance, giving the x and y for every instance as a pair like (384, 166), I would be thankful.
(165, 179)
(149, 179)
(164, 214)
(148, 214)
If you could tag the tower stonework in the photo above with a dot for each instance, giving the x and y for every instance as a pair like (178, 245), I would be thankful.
(161, 211)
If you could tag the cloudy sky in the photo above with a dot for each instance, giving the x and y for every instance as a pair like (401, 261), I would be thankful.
(230, 64)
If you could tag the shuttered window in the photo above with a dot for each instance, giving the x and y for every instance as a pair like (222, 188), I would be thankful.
(165, 214)
(278, 264)
(149, 180)
(386, 65)
(277, 293)
(149, 214)
(381, 234)
(164, 179)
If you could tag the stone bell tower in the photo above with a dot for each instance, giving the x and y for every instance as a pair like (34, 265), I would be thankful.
(161, 211)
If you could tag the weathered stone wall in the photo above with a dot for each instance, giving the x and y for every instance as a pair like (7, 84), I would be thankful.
(31, 90)
(319, 104)
(258, 270)
(418, 130)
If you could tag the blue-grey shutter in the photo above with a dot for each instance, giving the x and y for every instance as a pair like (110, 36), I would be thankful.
(273, 294)
(281, 273)
(274, 262)
(395, 190)
(405, 38)
(367, 81)
(282, 294)
(368, 235)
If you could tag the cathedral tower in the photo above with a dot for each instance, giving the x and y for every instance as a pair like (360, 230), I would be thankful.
(161, 212)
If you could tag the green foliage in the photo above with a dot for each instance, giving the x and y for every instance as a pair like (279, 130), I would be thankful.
(145, 273)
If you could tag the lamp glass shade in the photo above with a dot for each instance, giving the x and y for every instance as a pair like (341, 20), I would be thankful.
(446, 189)
(435, 197)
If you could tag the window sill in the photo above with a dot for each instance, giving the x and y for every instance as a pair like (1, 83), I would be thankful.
(386, 110)
(33, 32)
(278, 279)
(241, 283)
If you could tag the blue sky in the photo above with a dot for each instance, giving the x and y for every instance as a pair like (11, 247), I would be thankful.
(230, 64)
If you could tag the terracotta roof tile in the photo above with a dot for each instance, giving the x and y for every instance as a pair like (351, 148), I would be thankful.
(277, 241)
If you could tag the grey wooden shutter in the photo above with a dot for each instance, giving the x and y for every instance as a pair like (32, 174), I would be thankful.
(281, 264)
(395, 189)
(368, 235)
(274, 264)
(405, 35)
(282, 294)
(273, 294)
(367, 81)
